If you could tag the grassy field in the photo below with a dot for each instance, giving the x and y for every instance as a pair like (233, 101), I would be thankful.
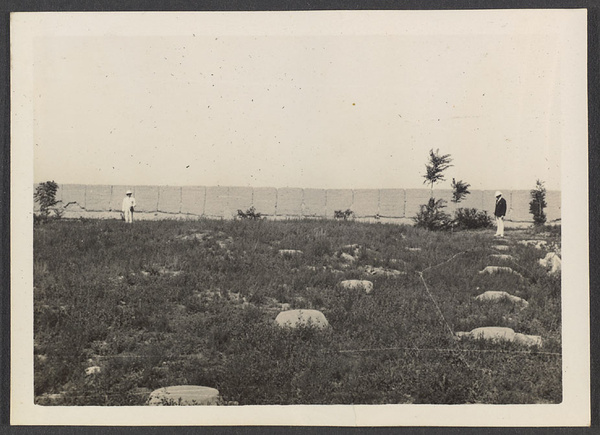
(174, 303)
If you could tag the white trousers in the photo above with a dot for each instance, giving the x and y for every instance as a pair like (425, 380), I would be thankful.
(500, 226)
(128, 216)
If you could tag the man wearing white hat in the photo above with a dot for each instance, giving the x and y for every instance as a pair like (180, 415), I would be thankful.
(500, 212)
(128, 205)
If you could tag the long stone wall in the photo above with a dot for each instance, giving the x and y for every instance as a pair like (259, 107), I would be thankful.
(224, 201)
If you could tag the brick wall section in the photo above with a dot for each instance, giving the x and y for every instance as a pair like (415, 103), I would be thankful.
(223, 201)
(314, 202)
(97, 198)
(289, 202)
(392, 202)
(338, 199)
(193, 199)
(264, 200)
(169, 199)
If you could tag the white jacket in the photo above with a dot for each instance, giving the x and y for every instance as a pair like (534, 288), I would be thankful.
(128, 202)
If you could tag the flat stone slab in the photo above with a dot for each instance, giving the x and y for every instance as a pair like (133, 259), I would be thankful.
(551, 261)
(500, 247)
(497, 333)
(289, 252)
(357, 284)
(94, 370)
(380, 271)
(347, 257)
(498, 269)
(413, 249)
(502, 257)
(184, 395)
(499, 295)
(296, 318)
(538, 244)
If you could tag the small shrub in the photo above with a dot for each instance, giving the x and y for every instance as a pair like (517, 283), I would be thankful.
(45, 195)
(251, 213)
(471, 219)
(460, 190)
(431, 216)
(538, 203)
(345, 215)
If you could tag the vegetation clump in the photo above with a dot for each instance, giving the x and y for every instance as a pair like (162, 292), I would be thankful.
(538, 203)
(471, 219)
(343, 215)
(250, 214)
(45, 196)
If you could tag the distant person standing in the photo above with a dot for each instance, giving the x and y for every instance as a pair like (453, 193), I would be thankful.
(128, 206)
(500, 212)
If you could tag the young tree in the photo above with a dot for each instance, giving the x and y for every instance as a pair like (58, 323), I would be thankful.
(461, 189)
(45, 195)
(538, 203)
(435, 167)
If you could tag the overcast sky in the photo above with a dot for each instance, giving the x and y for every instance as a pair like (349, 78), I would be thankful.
(280, 100)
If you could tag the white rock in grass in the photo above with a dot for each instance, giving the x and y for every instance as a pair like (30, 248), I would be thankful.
(289, 252)
(347, 257)
(498, 295)
(380, 271)
(491, 333)
(498, 269)
(357, 284)
(295, 318)
(94, 370)
(552, 261)
(502, 257)
(528, 340)
(538, 244)
(184, 395)
(500, 247)
(498, 333)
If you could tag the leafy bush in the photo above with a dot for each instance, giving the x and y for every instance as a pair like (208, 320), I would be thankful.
(45, 195)
(345, 215)
(251, 213)
(471, 219)
(431, 216)
(538, 203)
(460, 190)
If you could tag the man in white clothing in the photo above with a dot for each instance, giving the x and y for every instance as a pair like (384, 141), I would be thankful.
(128, 206)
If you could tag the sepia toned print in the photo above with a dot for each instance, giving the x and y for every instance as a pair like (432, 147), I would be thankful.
(240, 211)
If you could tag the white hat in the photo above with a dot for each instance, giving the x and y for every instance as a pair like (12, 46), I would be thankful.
(129, 192)
(498, 193)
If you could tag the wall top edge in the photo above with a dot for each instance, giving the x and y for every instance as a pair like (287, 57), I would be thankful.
(295, 188)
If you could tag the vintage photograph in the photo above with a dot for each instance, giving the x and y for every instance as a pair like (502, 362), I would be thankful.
(230, 211)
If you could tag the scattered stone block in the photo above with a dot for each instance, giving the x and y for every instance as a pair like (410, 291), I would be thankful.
(289, 252)
(185, 395)
(498, 269)
(296, 318)
(528, 340)
(357, 284)
(538, 244)
(498, 333)
(94, 370)
(505, 257)
(500, 247)
(499, 295)
(380, 271)
(551, 261)
(413, 249)
(347, 257)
